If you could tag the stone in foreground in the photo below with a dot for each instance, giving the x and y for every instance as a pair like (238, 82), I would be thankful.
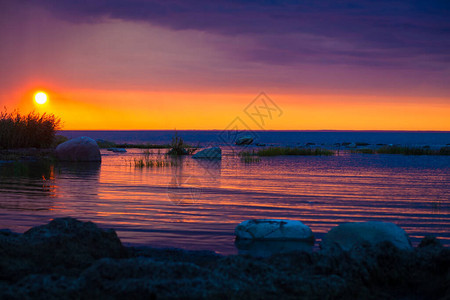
(347, 235)
(211, 153)
(267, 248)
(272, 229)
(79, 149)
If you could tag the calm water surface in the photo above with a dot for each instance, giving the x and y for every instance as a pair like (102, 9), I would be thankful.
(196, 204)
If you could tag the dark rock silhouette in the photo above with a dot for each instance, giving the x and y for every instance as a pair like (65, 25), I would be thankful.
(77, 260)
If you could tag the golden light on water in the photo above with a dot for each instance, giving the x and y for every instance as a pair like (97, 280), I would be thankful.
(40, 98)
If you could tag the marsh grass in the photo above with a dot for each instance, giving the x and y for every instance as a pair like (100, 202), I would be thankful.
(363, 151)
(276, 151)
(250, 159)
(27, 131)
(404, 150)
(146, 160)
(413, 150)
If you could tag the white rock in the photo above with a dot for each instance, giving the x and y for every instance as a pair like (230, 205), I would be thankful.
(211, 153)
(348, 235)
(79, 149)
(270, 229)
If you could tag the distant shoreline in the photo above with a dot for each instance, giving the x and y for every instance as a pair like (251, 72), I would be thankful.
(256, 130)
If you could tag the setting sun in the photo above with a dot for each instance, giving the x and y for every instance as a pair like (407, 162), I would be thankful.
(40, 97)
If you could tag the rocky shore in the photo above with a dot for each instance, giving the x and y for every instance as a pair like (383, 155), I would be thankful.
(70, 259)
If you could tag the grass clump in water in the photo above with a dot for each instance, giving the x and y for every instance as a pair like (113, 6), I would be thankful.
(276, 151)
(27, 131)
(363, 151)
(146, 161)
(249, 157)
(178, 147)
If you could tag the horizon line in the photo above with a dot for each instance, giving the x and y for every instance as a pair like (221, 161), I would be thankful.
(270, 130)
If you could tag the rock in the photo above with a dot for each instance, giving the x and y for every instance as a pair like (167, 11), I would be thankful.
(79, 149)
(69, 259)
(63, 244)
(211, 153)
(267, 248)
(347, 235)
(272, 229)
(117, 150)
(352, 145)
(244, 140)
(70, 239)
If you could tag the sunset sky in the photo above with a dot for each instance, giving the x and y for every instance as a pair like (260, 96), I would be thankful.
(136, 64)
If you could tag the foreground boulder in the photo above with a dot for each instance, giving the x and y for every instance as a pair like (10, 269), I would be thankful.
(211, 153)
(272, 229)
(267, 248)
(347, 235)
(63, 244)
(79, 150)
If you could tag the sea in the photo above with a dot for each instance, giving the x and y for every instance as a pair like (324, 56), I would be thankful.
(196, 204)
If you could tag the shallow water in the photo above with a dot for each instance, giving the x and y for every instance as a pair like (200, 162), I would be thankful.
(196, 204)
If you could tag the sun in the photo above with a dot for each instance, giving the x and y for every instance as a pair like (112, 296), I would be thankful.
(40, 97)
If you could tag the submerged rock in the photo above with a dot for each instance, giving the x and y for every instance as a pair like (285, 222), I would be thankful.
(348, 235)
(244, 140)
(272, 229)
(117, 150)
(211, 153)
(79, 150)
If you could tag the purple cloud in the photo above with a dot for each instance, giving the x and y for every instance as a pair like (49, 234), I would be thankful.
(368, 33)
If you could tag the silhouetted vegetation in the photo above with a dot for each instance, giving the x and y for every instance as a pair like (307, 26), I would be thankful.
(364, 151)
(27, 131)
(276, 151)
(404, 150)
(59, 139)
(178, 147)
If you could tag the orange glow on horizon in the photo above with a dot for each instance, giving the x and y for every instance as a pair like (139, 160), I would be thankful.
(142, 110)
